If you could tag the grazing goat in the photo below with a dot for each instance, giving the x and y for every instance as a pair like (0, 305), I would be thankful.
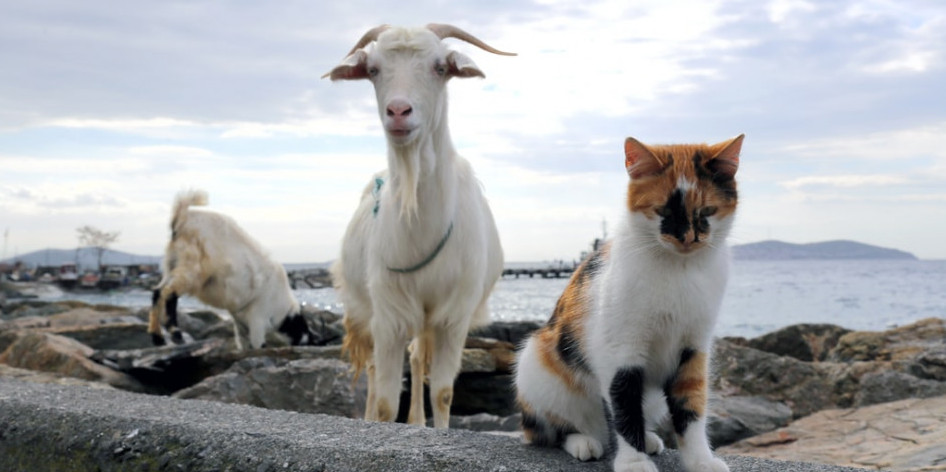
(211, 257)
(421, 253)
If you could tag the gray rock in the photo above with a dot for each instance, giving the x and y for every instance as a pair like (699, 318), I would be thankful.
(110, 335)
(735, 418)
(46, 352)
(303, 385)
(883, 387)
(805, 342)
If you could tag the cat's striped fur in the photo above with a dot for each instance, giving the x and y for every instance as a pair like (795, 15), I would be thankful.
(630, 337)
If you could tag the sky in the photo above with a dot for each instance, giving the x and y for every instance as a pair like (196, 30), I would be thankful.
(109, 108)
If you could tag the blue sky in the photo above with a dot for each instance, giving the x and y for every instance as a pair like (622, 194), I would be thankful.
(108, 108)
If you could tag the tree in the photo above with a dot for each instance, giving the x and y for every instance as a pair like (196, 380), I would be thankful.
(100, 240)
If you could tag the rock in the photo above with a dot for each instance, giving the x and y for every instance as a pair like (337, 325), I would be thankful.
(47, 377)
(303, 385)
(110, 336)
(907, 435)
(484, 422)
(513, 332)
(735, 418)
(882, 387)
(165, 369)
(46, 352)
(903, 343)
(484, 393)
(742, 371)
(805, 342)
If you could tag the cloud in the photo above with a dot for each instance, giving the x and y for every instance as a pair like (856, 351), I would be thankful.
(845, 181)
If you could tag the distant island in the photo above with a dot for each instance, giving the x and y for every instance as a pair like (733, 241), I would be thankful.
(763, 250)
(85, 258)
(828, 250)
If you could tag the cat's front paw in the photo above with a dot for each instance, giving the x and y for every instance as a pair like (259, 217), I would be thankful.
(583, 447)
(652, 443)
(705, 464)
(633, 461)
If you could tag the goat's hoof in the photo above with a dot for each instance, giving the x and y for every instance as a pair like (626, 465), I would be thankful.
(177, 337)
(157, 340)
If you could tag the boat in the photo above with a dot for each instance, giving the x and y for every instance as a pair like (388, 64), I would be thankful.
(68, 276)
(113, 277)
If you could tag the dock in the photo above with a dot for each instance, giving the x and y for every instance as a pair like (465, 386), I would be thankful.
(550, 271)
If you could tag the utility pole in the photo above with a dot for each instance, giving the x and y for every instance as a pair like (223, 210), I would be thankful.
(6, 240)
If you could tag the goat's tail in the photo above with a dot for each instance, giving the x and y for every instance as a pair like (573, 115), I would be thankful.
(183, 201)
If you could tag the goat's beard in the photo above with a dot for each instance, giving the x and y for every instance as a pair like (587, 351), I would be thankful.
(405, 167)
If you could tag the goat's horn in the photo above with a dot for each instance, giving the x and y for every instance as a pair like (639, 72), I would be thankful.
(368, 37)
(450, 31)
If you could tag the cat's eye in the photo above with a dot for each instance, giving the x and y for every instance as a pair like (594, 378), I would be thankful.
(662, 211)
(707, 211)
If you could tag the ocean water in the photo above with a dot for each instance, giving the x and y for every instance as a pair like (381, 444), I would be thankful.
(762, 295)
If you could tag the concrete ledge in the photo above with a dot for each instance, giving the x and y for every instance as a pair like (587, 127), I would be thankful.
(62, 427)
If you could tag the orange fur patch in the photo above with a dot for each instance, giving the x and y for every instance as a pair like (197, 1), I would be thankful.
(358, 345)
(690, 383)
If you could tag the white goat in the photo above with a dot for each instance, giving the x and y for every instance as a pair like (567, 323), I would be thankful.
(421, 253)
(211, 257)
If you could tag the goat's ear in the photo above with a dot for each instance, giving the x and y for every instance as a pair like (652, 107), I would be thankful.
(459, 65)
(353, 67)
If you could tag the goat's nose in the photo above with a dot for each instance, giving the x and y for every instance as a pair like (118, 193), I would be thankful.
(399, 108)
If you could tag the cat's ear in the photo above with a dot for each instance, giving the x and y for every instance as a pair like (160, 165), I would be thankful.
(639, 160)
(726, 162)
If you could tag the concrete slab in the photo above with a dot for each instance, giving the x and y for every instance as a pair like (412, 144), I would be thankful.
(64, 427)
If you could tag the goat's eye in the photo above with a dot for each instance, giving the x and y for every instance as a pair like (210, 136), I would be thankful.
(373, 72)
(441, 70)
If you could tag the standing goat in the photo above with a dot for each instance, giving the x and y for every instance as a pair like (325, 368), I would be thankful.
(211, 257)
(421, 253)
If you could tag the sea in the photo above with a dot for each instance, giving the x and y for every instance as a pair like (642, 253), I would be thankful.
(762, 296)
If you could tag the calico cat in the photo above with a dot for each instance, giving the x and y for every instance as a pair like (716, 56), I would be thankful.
(630, 337)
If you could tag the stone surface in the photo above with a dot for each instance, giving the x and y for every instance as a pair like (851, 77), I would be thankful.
(902, 436)
(46, 352)
(735, 418)
(53, 427)
(805, 342)
(742, 371)
(303, 385)
(902, 343)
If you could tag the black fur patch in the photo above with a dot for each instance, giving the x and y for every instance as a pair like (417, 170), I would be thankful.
(627, 404)
(680, 416)
(544, 434)
(569, 349)
(170, 307)
(155, 296)
(723, 182)
(675, 219)
(296, 327)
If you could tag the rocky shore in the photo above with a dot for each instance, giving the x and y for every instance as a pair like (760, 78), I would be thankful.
(807, 392)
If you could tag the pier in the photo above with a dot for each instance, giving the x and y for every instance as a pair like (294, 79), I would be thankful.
(549, 271)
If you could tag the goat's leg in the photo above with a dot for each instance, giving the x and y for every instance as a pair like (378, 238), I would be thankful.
(155, 316)
(170, 308)
(371, 413)
(257, 330)
(389, 346)
(420, 362)
(444, 365)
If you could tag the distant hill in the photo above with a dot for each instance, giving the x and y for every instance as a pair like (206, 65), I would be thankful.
(828, 250)
(85, 257)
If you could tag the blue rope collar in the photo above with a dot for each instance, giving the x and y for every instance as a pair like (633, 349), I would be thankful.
(376, 192)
